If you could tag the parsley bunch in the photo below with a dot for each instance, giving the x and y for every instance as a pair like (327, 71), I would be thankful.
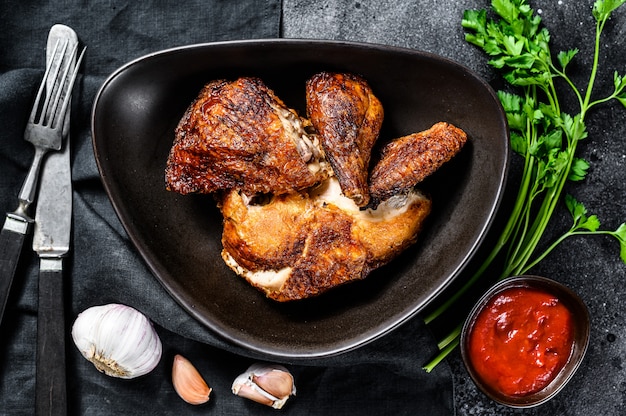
(541, 132)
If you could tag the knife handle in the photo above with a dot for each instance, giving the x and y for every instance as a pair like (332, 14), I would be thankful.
(11, 242)
(50, 391)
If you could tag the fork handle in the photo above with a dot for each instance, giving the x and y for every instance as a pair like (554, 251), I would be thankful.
(11, 242)
(50, 385)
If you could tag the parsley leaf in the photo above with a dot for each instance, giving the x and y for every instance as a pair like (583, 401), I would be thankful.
(544, 135)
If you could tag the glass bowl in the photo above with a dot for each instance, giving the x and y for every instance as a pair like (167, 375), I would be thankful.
(580, 335)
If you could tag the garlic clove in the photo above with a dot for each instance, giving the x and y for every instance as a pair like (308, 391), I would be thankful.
(119, 340)
(278, 383)
(244, 387)
(188, 382)
(268, 384)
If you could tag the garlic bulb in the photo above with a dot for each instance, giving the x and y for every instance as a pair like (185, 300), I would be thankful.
(119, 340)
(268, 384)
(188, 382)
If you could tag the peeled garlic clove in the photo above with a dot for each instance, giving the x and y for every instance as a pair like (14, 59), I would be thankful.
(268, 384)
(188, 382)
(119, 340)
(244, 387)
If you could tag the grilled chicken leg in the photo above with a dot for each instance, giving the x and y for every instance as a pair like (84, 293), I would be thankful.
(347, 116)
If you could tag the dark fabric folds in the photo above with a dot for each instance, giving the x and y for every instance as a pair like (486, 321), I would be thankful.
(382, 378)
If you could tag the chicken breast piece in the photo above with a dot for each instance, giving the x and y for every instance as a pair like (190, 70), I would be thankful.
(407, 161)
(239, 134)
(348, 117)
(303, 244)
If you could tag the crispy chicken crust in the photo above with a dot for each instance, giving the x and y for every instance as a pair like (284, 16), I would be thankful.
(300, 245)
(348, 117)
(241, 135)
(301, 212)
(407, 161)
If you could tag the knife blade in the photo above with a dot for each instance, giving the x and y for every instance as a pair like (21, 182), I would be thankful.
(51, 242)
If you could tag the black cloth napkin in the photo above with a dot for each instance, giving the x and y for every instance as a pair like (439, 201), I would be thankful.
(381, 378)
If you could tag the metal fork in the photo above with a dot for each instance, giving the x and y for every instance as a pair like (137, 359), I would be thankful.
(45, 129)
(45, 125)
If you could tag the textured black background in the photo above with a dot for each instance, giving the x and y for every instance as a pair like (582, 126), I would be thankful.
(590, 266)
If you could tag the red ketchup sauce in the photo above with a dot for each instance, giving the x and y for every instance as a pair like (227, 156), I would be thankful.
(521, 340)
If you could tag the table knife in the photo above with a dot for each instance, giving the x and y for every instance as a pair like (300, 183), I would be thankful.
(44, 132)
(51, 241)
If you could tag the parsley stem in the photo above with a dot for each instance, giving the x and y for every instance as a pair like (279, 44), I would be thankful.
(549, 161)
(547, 251)
(594, 68)
(442, 355)
(550, 201)
(569, 82)
(452, 336)
(502, 241)
(572, 232)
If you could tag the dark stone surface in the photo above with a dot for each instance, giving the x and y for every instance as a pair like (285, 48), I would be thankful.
(382, 378)
(589, 265)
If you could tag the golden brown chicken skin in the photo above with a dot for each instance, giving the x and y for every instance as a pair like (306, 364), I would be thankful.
(303, 244)
(240, 135)
(348, 116)
(407, 161)
(302, 214)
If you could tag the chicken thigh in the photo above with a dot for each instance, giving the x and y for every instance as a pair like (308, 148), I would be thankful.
(240, 135)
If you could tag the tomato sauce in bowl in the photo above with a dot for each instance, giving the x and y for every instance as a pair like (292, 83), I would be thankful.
(524, 340)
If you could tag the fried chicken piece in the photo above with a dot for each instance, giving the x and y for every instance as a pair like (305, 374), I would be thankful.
(408, 160)
(299, 215)
(347, 116)
(303, 244)
(239, 134)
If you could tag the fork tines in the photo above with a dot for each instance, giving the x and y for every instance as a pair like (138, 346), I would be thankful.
(48, 112)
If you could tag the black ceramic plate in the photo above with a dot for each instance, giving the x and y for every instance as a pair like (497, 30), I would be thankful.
(134, 117)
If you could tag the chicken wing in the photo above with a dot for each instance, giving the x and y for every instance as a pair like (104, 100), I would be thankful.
(410, 159)
(241, 135)
(348, 116)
